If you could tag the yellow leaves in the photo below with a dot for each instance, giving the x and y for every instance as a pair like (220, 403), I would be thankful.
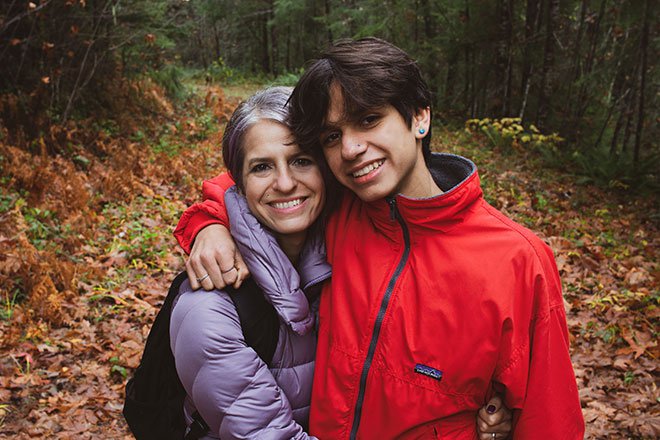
(510, 133)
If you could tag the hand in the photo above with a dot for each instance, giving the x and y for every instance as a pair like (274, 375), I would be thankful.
(494, 418)
(214, 253)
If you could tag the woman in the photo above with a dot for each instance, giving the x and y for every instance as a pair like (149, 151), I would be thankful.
(279, 187)
(225, 380)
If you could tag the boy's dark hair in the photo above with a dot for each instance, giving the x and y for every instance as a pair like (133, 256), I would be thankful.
(370, 73)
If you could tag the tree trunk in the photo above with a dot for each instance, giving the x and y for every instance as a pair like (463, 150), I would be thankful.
(532, 15)
(503, 87)
(274, 52)
(571, 110)
(545, 88)
(216, 40)
(265, 49)
(643, 48)
(469, 88)
(582, 99)
(327, 17)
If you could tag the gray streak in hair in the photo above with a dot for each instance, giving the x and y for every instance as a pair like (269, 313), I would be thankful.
(268, 104)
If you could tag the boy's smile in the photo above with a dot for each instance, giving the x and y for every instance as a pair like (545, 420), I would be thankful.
(376, 154)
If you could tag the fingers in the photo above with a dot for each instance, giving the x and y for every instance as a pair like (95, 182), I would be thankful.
(192, 275)
(206, 271)
(486, 431)
(492, 412)
(215, 261)
(494, 418)
(242, 271)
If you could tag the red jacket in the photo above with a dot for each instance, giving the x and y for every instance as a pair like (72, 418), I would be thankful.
(434, 303)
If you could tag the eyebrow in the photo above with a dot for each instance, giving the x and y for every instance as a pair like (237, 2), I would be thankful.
(269, 159)
(258, 160)
(333, 125)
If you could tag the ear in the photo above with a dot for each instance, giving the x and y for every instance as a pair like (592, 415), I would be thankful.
(422, 122)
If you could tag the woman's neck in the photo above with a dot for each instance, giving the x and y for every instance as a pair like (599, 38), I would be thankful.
(292, 245)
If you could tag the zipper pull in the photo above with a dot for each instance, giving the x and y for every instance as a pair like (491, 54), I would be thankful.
(393, 211)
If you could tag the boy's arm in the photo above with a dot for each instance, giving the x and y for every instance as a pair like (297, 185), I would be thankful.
(202, 232)
(200, 215)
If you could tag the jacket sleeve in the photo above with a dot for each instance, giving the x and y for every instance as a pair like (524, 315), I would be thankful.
(200, 215)
(229, 384)
(539, 381)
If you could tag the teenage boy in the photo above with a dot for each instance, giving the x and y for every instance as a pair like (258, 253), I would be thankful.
(437, 300)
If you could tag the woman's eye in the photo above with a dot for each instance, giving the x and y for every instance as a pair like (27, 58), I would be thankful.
(260, 168)
(303, 162)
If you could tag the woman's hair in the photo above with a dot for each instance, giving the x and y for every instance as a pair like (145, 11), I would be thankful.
(268, 104)
(370, 73)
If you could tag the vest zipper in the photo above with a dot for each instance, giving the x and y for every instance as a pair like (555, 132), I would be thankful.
(394, 215)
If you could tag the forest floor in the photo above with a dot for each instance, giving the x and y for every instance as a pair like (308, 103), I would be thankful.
(87, 254)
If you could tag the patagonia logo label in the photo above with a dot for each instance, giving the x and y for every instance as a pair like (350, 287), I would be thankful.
(428, 371)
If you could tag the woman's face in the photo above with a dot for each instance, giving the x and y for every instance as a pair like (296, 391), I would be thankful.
(283, 186)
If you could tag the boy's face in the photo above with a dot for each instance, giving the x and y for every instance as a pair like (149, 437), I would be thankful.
(376, 154)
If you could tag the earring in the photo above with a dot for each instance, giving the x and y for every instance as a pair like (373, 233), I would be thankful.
(422, 131)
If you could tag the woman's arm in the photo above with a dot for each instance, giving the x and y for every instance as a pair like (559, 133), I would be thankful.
(228, 383)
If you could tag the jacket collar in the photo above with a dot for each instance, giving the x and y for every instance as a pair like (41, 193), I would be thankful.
(294, 286)
(456, 176)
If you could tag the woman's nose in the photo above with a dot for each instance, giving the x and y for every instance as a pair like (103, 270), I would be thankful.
(285, 181)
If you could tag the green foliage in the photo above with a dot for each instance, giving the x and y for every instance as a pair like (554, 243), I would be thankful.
(117, 367)
(218, 71)
(8, 304)
(141, 230)
(287, 79)
(616, 171)
(170, 78)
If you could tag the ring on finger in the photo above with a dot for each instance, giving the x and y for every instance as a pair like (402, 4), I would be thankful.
(494, 435)
(199, 280)
(227, 271)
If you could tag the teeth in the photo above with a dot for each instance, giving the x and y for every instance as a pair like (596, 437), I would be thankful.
(289, 204)
(368, 168)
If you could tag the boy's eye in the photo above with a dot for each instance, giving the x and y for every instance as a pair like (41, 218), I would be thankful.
(330, 138)
(369, 120)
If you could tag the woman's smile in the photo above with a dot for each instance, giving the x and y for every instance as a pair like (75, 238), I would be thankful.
(283, 185)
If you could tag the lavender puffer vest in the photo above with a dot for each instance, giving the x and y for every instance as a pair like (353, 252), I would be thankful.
(231, 387)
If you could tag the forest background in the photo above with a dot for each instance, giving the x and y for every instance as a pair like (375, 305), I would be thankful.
(110, 115)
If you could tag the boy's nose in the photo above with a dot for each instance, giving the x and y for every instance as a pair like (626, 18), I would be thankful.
(352, 147)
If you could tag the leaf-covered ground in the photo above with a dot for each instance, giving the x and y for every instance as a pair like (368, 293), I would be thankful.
(86, 255)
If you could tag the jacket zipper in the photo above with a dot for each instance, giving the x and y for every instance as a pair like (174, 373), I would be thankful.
(394, 215)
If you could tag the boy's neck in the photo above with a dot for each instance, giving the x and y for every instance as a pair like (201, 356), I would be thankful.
(420, 183)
